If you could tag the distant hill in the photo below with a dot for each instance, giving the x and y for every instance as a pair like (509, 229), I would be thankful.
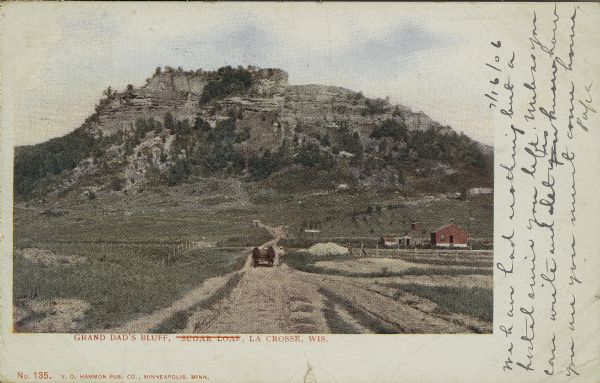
(249, 123)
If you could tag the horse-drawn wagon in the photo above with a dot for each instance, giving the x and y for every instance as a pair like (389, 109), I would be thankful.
(263, 257)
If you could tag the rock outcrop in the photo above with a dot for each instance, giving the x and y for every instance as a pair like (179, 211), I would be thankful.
(268, 114)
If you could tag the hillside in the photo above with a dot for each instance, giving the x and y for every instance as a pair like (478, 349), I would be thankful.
(248, 123)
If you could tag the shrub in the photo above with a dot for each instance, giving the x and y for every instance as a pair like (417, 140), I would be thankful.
(178, 172)
(229, 81)
(311, 155)
(117, 184)
(201, 124)
(261, 167)
(376, 106)
(391, 128)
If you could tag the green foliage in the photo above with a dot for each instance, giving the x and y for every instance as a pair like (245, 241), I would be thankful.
(143, 126)
(35, 163)
(448, 146)
(376, 106)
(260, 167)
(348, 141)
(228, 81)
(222, 151)
(325, 139)
(224, 131)
(310, 154)
(182, 127)
(178, 172)
(117, 184)
(243, 135)
(391, 128)
(201, 124)
(169, 121)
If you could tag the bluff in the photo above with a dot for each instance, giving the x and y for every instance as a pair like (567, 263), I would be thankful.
(248, 123)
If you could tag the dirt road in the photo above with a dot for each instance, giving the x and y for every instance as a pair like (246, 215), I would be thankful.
(283, 300)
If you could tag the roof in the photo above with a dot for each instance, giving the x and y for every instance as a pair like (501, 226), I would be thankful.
(389, 237)
(446, 226)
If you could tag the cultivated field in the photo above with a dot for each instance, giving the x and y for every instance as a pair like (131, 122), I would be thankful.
(125, 263)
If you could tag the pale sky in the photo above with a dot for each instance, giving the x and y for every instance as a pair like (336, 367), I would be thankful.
(57, 58)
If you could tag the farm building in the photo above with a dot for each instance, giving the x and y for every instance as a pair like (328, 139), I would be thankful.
(449, 236)
(413, 236)
(406, 241)
(388, 241)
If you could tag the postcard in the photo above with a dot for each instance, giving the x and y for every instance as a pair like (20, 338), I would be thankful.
(299, 192)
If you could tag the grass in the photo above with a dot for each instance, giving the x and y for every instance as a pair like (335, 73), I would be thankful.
(254, 237)
(477, 302)
(305, 262)
(343, 215)
(178, 322)
(486, 263)
(365, 319)
(126, 237)
(121, 283)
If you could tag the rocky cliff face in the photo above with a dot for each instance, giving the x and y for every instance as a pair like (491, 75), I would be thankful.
(270, 97)
(267, 114)
(177, 92)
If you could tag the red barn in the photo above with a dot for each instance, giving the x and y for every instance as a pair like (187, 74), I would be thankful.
(449, 236)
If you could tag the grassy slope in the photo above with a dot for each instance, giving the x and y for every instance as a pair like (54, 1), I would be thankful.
(123, 282)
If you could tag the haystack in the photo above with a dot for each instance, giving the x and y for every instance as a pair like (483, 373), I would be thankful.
(329, 248)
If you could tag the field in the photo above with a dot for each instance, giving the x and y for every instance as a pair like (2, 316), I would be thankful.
(176, 260)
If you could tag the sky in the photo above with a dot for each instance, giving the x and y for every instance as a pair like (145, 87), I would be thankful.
(63, 55)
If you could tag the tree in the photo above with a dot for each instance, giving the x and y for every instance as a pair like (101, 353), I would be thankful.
(201, 124)
(178, 172)
(225, 130)
(243, 134)
(182, 127)
(142, 126)
(229, 81)
(376, 106)
(117, 184)
(169, 121)
(156, 126)
(325, 139)
(261, 167)
(395, 129)
(310, 154)
(108, 92)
